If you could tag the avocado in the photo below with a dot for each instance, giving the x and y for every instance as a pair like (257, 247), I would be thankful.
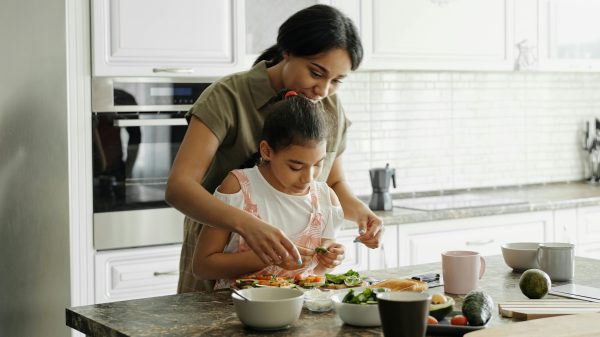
(439, 311)
(477, 308)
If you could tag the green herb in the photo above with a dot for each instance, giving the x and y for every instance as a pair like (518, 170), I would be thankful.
(340, 278)
(321, 250)
(368, 296)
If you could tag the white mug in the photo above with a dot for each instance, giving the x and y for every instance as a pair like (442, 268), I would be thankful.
(462, 271)
(557, 260)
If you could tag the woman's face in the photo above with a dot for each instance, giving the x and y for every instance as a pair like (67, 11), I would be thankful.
(318, 76)
(292, 169)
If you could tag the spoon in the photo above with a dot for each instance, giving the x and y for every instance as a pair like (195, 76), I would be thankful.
(237, 292)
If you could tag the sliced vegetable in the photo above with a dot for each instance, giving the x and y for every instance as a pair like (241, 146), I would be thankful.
(321, 250)
(432, 320)
(340, 278)
(368, 296)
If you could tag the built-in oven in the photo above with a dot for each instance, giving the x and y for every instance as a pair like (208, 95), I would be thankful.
(138, 125)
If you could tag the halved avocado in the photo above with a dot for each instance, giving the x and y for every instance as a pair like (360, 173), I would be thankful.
(439, 311)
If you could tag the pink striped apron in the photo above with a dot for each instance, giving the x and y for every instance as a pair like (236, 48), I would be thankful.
(309, 238)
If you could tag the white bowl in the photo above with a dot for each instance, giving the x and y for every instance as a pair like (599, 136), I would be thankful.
(268, 308)
(317, 300)
(520, 255)
(366, 315)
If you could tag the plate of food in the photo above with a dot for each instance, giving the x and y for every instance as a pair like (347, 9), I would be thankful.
(253, 281)
(349, 279)
(455, 324)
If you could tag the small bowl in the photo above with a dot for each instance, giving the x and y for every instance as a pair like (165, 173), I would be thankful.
(365, 315)
(316, 300)
(520, 256)
(268, 308)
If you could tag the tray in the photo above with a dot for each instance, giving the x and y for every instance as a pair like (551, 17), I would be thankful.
(443, 328)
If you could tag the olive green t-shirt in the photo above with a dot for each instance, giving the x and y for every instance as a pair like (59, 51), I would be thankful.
(234, 109)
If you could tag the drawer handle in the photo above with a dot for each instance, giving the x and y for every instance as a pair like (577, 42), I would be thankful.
(166, 273)
(173, 70)
(479, 243)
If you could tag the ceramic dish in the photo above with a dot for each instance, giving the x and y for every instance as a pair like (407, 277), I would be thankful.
(444, 328)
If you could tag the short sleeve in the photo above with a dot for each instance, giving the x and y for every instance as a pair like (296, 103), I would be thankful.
(235, 199)
(215, 108)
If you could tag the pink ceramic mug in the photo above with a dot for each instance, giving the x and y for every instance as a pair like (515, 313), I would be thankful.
(462, 271)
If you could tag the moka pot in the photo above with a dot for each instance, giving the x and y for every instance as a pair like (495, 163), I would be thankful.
(381, 199)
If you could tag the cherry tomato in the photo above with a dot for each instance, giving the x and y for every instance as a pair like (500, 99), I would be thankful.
(458, 320)
(431, 320)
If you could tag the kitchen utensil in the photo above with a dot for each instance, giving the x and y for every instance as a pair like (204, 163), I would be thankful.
(582, 325)
(578, 291)
(403, 314)
(268, 308)
(380, 182)
(557, 260)
(520, 256)
(534, 309)
(239, 293)
(462, 271)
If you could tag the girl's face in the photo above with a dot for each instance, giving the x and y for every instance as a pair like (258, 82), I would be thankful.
(318, 76)
(292, 169)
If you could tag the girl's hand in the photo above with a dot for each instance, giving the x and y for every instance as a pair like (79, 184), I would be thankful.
(270, 244)
(333, 257)
(370, 228)
(306, 255)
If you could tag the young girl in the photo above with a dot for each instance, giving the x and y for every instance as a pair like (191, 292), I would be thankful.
(282, 190)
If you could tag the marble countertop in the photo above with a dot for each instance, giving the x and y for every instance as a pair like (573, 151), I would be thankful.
(540, 197)
(212, 314)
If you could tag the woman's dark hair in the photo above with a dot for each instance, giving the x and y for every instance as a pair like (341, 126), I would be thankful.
(294, 120)
(314, 30)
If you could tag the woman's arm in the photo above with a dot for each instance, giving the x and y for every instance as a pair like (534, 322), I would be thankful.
(186, 193)
(370, 226)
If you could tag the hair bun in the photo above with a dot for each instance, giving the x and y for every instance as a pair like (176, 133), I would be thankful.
(290, 93)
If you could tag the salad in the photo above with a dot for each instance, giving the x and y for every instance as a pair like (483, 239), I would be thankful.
(368, 296)
(350, 278)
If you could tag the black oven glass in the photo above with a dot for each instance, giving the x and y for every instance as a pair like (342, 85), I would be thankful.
(132, 158)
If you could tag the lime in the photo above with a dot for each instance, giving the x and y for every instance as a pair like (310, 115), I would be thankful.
(535, 283)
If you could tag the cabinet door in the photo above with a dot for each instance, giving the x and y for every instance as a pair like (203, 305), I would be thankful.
(569, 35)
(424, 242)
(438, 34)
(165, 38)
(588, 225)
(136, 273)
(356, 256)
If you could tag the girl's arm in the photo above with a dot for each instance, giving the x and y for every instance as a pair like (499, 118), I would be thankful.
(185, 192)
(370, 226)
(210, 262)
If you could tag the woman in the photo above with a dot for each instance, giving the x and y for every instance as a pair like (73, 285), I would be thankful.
(316, 48)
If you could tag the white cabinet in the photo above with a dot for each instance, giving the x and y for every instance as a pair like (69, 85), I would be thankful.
(569, 35)
(424, 242)
(356, 256)
(588, 232)
(165, 38)
(438, 34)
(136, 273)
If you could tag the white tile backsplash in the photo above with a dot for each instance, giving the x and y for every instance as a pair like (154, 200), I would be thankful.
(450, 130)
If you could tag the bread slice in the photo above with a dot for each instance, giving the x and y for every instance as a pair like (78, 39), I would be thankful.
(401, 285)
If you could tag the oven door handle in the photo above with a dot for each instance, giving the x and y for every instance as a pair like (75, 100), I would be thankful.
(123, 123)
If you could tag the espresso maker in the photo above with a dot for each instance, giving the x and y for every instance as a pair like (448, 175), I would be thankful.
(592, 147)
(381, 200)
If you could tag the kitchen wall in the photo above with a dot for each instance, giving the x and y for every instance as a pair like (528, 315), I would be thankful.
(455, 130)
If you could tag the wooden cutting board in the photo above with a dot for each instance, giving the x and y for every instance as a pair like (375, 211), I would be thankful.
(534, 309)
(583, 325)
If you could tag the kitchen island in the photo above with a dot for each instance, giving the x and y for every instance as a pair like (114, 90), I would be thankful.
(212, 314)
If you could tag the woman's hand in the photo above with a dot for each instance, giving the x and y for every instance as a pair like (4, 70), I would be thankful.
(271, 244)
(306, 255)
(333, 257)
(370, 228)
